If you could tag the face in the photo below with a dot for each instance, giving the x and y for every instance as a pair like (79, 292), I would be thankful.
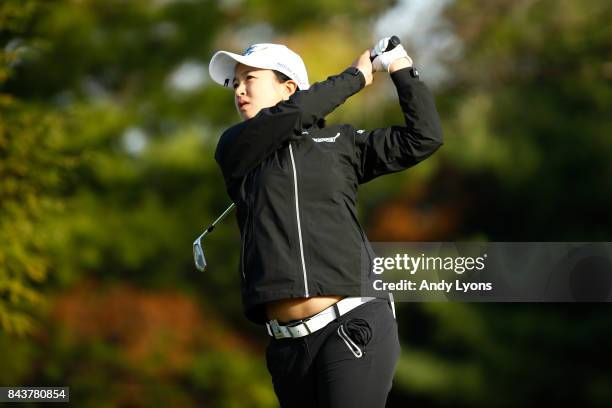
(259, 88)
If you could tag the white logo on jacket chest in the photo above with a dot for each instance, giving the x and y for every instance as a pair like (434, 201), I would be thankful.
(326, 139)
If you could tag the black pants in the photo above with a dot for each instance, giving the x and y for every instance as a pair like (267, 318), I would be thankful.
(348, 363)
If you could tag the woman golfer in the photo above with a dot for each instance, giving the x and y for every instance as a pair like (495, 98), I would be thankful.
(294, 182)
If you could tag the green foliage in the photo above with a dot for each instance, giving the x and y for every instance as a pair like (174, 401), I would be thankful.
(31, 171)
(531, 108)
(33, 162)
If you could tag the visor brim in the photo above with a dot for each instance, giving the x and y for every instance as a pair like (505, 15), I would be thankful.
(223, 64)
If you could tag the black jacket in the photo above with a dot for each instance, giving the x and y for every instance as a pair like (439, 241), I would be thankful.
(294, 182)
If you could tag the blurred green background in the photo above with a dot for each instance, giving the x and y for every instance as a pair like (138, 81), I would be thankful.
(108, 124)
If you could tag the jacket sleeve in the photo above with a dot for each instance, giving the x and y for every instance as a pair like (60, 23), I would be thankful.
(392, 149)
(243, 146)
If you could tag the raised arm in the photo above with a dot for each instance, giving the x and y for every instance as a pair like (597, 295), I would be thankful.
(392, 149)
(243, 146)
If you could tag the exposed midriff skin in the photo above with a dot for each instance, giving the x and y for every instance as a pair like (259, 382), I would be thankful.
(285, 310)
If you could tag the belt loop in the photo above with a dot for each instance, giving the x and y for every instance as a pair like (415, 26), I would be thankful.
(336, 310)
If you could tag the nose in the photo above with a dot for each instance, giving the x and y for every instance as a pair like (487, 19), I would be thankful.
(240, 89)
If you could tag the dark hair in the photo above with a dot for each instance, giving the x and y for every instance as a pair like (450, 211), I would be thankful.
(282, 77)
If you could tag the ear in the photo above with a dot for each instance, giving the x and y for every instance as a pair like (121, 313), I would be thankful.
(290, 87)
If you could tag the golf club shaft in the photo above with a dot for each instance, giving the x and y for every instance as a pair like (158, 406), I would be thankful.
(212, 226)
(223, 215)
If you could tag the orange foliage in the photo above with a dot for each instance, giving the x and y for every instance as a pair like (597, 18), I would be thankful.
(405, 221)
(165, 327)
(417, 215)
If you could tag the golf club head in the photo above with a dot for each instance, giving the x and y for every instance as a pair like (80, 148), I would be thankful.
(198, 250)
(198, 255)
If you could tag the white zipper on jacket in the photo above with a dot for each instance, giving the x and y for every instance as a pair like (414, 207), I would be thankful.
(297, 216)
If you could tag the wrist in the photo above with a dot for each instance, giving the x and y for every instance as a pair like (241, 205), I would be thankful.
(357, 73)
(404, 62)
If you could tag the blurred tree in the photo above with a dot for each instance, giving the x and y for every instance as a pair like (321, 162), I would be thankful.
(34, 162)
(527, 124)
(530, 106)
(107, 131)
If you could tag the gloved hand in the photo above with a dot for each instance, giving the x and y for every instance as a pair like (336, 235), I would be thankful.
(381, 59)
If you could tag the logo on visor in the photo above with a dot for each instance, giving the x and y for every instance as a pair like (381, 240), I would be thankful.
(288, 69)
(254, 48)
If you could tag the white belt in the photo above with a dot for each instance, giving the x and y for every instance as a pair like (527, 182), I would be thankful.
(311, 324)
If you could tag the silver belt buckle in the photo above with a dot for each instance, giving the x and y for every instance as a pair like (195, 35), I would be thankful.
(276, 331)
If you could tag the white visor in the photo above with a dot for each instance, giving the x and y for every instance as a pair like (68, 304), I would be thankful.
(266, 56)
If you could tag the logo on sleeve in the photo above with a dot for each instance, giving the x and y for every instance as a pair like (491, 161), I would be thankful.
(326, 139)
